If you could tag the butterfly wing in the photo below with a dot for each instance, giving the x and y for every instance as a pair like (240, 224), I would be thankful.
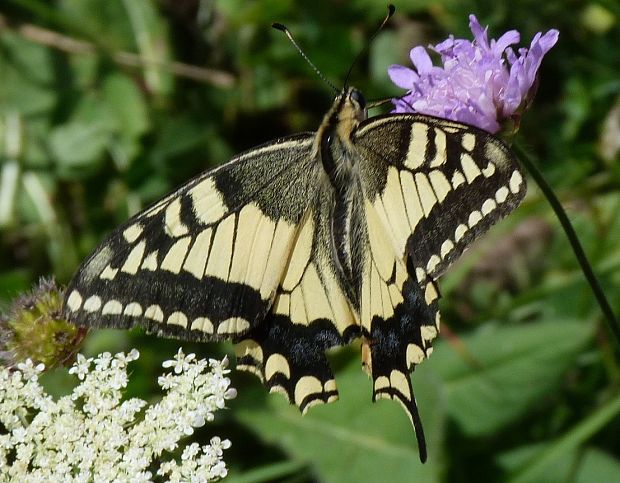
(437, 185)
(431, 187)
(311, 313)
(241, 252)
(205, 262)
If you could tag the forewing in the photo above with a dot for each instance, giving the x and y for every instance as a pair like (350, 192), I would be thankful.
(436, 185)
(204, 262)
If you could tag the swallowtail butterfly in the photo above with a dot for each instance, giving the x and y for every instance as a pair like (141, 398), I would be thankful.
(306, 243)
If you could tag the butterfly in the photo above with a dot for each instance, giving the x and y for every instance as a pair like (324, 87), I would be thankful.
(306, 243)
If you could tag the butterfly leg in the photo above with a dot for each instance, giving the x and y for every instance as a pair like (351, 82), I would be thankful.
(290, 359)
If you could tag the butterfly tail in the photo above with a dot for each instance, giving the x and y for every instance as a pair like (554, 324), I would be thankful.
(397, 386)
(396, 344)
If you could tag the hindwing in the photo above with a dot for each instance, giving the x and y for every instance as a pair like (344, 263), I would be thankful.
(310, 314)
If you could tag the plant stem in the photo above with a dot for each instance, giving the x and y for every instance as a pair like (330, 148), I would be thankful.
(586, 268)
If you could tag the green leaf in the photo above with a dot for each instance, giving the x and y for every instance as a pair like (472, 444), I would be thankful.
(354, 439)
(129, 113)
(561, 449)
(597, 465)
(267, 473)
(150, 36)
(126, 104)
(12, 282)
(571, 465)
(25, 76)
(382, 55)
(513, 368)
(78, 144)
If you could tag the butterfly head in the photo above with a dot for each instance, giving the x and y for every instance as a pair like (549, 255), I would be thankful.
(356, 99)
(348, 110)
(353, 105)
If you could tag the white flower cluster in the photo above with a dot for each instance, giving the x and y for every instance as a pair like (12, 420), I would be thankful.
(93, 435)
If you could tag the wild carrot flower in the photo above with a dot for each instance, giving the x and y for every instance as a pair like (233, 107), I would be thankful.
(482, 82)
(95, 435)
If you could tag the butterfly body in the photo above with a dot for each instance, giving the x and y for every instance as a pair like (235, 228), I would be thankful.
(307, 243)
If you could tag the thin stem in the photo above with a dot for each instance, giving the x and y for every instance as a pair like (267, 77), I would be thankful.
(586, 268)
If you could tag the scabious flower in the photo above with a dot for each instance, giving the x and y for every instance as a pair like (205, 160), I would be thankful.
(95, 435)
(483, 83)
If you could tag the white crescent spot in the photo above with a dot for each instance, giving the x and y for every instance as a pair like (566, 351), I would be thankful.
(460, 232)
(488, 206)
(74, 302)
(203, 324)
(474, 218)
(446, 247)
(92, 304)
(177, 318)
(501, 194)
(134, 309)
(415, 354)
(515, 182)
(428, 332)
(277, 363)
(154, 312)
(306, 386)
(112, 307)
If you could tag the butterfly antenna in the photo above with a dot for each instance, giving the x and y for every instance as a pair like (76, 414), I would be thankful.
(279, 26)
(391, 10)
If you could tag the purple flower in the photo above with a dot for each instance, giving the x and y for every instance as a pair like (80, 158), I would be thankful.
(482, 83)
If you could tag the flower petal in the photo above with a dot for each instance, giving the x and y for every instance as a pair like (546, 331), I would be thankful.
(403, 76)
(509, 38)
(421, 60)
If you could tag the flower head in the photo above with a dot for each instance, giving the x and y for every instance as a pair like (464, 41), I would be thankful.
(34, 329)
(94, 434)
(482, 82)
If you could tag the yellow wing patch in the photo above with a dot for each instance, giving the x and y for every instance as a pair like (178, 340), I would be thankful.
(309, 290)
(384, 271)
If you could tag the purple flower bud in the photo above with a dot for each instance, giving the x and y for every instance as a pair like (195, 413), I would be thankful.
(482, 82)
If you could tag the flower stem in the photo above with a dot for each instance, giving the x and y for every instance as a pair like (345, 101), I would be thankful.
(586, 268)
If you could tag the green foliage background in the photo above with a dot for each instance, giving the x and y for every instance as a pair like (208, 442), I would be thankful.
(524, 382)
